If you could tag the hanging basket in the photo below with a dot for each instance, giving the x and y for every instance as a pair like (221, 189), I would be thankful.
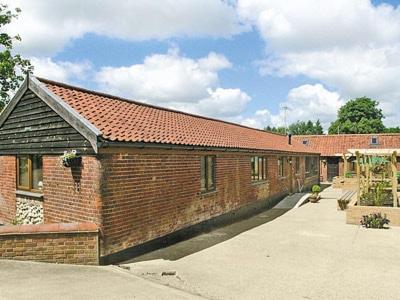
(70, 162)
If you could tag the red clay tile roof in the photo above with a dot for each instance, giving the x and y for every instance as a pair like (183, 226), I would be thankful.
(329, 145)
(125, 120)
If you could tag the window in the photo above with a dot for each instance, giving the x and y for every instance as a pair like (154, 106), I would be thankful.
(297, 165)
(374, 140)
(312, 166)
(305, 142)
(29, 173)
(258, 168)
(316, 166)
(281, 167)
(207, 173)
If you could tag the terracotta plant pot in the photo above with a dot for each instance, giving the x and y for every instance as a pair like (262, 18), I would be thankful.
(314, 198)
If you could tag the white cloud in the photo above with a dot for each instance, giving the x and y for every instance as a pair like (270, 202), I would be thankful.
(63, 71)
(261, 119)
(350, 46)
(46, 26)
(306, 102)
(315, 24)
(221, 103)
(178, 82)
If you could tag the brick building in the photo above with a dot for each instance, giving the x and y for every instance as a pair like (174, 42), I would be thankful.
(142, 172)
(333, 147)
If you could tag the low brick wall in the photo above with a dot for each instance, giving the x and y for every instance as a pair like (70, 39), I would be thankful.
(355, 213)
(71, 243)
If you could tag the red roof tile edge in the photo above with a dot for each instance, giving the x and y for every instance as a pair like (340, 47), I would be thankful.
(333, 144)
(56, 228)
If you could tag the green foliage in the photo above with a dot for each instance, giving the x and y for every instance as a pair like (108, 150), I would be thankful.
(378, 196)
(12, 66)
(16, 221)
(316, 189)
(374, 220)
(70, 159)
(360, 115)
(299, 128)
(348, 174)
(280, 130)
(392, 130)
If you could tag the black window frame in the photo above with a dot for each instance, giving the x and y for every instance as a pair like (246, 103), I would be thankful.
(311, 166)
(256, 162)
(30, 186)
(374, 140)
(207, 162)
(281, 167)
(297, 164)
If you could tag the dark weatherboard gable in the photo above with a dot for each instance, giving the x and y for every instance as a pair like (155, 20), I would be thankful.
(33, 127)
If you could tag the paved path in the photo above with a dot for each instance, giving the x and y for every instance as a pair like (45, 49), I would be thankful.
(307, 253)
(214, 236)
(331, 193)
(26, 280)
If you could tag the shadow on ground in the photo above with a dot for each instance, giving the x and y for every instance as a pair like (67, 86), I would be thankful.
(209, 237)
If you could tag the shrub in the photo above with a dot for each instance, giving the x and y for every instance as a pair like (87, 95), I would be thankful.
(348, 175)
(316, 189)
(378, 196)
(374, 220)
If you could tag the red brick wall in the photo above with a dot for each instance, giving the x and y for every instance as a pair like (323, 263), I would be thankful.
(7, 188)
(144, 194)
(55, 243)
(150, 193)
(71, 194)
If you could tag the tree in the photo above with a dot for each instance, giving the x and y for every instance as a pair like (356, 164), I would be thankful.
(360, 115)
(280, 130)
(299, 128)
(12, 66)
(306, 128)
(392, 130)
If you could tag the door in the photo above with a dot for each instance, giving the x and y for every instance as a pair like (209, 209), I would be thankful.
(333, 167)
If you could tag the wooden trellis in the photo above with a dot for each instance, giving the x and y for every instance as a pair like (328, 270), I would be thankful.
(366, 176)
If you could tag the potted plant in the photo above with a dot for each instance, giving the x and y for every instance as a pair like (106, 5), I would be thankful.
(71, 159)
(316, 189)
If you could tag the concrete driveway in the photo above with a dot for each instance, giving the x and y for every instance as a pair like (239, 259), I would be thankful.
(27, 280)
(307, 253)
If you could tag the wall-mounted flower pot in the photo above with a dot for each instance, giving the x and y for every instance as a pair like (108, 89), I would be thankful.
(72, 162)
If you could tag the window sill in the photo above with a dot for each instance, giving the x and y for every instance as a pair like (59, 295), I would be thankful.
(206, 193)
(38, 196)
(282, 177)
(261, 182)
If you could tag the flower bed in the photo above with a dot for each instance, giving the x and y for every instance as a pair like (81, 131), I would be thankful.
(355, 213)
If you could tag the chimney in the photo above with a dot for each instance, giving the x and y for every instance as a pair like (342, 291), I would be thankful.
(290, 138)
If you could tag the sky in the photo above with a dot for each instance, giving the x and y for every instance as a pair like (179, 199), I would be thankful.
(241, 61)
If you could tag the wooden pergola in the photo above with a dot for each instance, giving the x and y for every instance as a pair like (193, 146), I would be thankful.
(365, 176)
